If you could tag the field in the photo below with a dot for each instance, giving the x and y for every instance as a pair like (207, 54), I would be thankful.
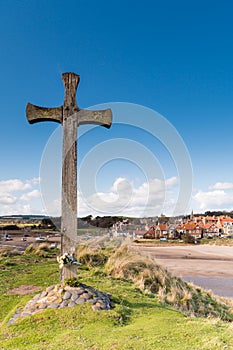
(139, 321)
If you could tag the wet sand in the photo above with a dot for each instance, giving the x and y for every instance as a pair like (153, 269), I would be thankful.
(208, 266)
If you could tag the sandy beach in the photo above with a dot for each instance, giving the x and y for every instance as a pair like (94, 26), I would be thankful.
(208, 266)
(205, 260)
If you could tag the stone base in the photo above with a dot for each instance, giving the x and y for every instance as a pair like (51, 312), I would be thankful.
(58, 297)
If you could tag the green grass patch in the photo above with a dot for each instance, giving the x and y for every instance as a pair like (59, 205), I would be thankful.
(138, 321)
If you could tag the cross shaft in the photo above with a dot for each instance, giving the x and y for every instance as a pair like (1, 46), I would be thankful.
(70, 116)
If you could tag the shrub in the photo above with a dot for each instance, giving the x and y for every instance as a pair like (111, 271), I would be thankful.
(187, 238)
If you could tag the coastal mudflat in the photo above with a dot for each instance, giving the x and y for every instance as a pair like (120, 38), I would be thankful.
(209, 266)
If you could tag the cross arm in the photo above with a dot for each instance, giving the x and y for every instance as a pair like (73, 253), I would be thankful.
(102, 117)
(37, 114)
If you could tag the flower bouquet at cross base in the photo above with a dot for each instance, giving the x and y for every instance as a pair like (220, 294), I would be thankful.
(67, 258)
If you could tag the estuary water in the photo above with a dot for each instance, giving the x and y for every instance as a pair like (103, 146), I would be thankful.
(207, 266)
(222, 286)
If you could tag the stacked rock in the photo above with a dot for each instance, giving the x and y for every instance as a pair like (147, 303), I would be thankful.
(59, 297)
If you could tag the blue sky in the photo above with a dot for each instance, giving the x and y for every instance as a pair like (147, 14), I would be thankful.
(174, 57)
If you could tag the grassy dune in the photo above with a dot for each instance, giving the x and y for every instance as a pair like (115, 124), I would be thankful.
(138, 321)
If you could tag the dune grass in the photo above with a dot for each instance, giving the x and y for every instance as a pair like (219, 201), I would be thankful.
(151, 278)
(138, 321)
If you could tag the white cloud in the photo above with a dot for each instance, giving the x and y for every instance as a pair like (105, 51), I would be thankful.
(52, 208)
(216, 199)
(14, 191)
(16, 209)
(24, 209)
(123, 198)
(121, 184)
(172, 181)
(28, 196)
(7, 199)
(13, 186)
(222, 186)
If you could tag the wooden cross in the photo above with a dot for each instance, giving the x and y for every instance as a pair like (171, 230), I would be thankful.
(70, 116)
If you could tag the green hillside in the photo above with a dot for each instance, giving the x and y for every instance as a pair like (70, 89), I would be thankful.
(138, 321)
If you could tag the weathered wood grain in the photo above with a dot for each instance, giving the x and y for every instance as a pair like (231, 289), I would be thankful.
(70, 116)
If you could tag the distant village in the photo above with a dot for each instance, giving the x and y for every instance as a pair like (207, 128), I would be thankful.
(164, 228)
(198, 226)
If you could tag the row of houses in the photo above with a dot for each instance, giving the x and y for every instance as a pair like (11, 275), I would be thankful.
(198, 226)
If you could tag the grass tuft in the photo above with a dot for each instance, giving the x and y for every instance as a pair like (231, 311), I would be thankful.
(92, 256)
(9, 251)
(43, 250)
